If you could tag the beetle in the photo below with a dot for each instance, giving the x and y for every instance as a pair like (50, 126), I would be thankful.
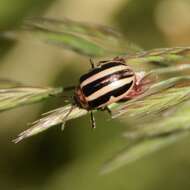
(106, 82)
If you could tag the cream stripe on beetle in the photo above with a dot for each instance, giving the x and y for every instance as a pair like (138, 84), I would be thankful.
(103, 73)
(114, 85)
(115, 99)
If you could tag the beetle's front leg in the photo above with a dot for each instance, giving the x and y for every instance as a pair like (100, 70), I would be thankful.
(106, 109)
(116, 59)
(120, 59)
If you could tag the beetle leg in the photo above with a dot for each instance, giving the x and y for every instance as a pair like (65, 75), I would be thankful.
(108, 110)
(101, 62)
(66, 97)
(119, 59)
(93, 122)
(92, 63)
(142, 84)
(116, 59)
(138, 89)
(133, 93)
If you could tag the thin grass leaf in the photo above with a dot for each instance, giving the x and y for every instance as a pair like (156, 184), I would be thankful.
(50, 119)
(158, 97)
(139, 149)
(160, 57)
(18, 96)
(176, 119)
(84, 38)
(167, 72)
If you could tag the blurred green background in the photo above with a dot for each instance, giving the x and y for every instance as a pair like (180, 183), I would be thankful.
(72, 159)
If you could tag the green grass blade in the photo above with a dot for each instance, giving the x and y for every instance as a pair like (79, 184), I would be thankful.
(18, 96)
(140, 149)
(87, 39)
(175, 119)
(161, 57)
(158, 97)
(50, 119)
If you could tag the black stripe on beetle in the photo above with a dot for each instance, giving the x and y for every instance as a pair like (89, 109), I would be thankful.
(104, 81)
(106, 97)
(97, 70)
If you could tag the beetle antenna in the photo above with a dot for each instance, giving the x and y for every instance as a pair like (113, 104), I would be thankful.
(92, 63)
(66, 97)
(68, 88)
(66, 116)
(93, 122)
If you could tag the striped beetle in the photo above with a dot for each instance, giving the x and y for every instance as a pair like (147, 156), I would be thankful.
(106, 83)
